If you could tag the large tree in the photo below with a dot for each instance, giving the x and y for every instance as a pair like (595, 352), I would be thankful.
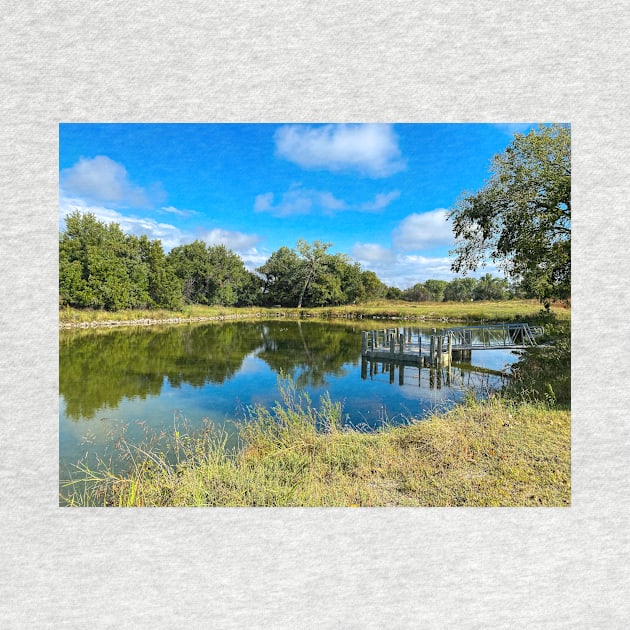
(314, 266)
(490, 288)
(212, 274)
(460, 290)
(521, 218)
(100, 266)
(281, 278)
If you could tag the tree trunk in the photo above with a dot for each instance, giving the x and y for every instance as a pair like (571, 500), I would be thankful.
(308, 280)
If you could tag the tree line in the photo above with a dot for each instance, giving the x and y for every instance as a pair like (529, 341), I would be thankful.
(102, 267)
(520, 219)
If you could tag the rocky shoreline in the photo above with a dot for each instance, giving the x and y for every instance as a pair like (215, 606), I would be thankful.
(114, 323)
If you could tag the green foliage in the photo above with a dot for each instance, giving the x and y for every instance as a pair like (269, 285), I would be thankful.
(373, 288)
(417, 293)
(457, 290)
(281, 278)
(490, 288)
(191, 265)
(101, 267)
(521, 218)
(544, 373)
(394, 293)
(311, 277)
(460, 290)
(436, 289)
(314, 267)
(212, 275)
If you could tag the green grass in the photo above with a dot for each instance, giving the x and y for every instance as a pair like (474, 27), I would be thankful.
(68, 315)
(492, 453)
(509, 310)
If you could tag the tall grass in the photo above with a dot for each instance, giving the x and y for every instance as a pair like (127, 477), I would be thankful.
(488, 453)
(508, 310)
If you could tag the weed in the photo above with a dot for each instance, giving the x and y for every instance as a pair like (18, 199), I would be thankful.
(495, 452)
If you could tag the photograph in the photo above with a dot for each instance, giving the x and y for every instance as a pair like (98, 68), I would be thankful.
(314, 314)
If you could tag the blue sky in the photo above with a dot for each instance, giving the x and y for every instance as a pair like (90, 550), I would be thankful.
(378, 192)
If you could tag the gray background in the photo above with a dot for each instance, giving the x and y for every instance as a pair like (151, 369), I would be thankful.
(301, 61)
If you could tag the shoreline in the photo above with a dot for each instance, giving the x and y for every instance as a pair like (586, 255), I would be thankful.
(231, 316)
(482, 312)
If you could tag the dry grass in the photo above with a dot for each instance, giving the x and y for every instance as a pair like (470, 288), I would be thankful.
(492, 453)
(509, 310)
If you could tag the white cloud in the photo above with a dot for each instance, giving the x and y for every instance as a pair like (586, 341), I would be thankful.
(396, 266)
(370, 149)
(240, 243)
(254, 258)
(178, 212)
(298, 200)
(170, 235)
(236, 241)
(102, 180)
(263, 203)
(401, 270)
(423, 231)
(329, 202)
(372, 253)
(380, 202)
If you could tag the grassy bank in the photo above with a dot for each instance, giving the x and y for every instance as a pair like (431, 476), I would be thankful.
(510, 310)
(492, 453)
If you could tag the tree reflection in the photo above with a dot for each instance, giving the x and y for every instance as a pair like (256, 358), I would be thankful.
(309, 351)
(101, 367)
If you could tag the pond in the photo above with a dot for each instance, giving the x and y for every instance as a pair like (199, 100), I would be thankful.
(161, 377)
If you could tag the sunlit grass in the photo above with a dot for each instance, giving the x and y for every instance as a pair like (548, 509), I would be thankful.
(508, 310)
(74, 315)
(491, 453)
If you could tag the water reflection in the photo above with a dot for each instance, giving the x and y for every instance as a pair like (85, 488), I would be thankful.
(153, 377)
(101, 368)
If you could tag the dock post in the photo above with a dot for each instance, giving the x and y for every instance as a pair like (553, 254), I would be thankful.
(438, 358)
(401, 343)
(392, 346)
(450, 348)
(432, 350)
(364, 342)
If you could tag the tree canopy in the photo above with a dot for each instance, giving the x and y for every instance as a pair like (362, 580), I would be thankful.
(102, 267)
(521, 218)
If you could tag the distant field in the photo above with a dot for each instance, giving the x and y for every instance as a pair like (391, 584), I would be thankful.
(465, 311)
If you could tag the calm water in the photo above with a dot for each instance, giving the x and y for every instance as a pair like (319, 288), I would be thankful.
(152, 378)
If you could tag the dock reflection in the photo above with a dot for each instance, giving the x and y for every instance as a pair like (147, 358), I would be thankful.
(460, 376)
